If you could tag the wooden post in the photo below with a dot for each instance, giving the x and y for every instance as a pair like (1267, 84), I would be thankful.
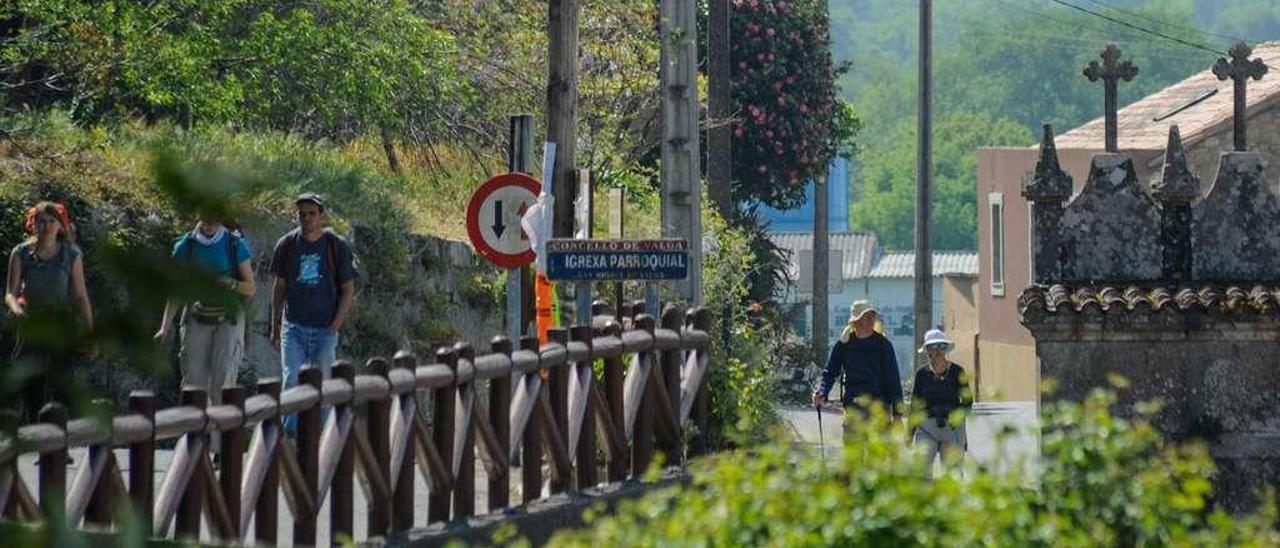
(99, 511)
(309, 427)
(672, 362)
(442, 416)
(701, 322)
(587, 468)
(562, 107)
(379, 424)
(233, 458)
(189, 508)
(614, 380)
(531, 447)
(266, 523)
(403, 499)
(558, 384)
(53, 469)
(642, 445)
(341, 497)
(464, 495)
(142, 458)
(720, 107)
(500, 418)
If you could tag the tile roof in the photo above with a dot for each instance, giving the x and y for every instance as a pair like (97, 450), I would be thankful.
(1200, 105)
(1219, 299)
(902, 264)
(859, 250)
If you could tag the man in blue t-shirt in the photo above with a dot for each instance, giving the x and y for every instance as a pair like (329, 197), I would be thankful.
(212, 330)
(313, 293)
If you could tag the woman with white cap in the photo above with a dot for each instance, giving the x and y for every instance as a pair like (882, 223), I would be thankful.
(867, 361)
(941, 387)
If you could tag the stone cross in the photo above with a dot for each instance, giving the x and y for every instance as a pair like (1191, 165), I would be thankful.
(1239, 69)
(1110, 71)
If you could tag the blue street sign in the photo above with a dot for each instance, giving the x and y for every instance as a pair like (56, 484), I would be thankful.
(596, 260)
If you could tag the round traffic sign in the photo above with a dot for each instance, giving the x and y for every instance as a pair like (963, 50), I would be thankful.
(493, 219)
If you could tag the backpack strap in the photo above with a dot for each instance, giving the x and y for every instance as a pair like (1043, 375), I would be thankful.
(331, 255)
(233, 245)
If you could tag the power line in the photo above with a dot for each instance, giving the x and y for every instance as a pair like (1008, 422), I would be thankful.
(1091, 29)
(1150, 19)
(1138, 28)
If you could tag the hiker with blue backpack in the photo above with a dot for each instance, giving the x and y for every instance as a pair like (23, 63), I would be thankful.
(212, 326)
(313, 293)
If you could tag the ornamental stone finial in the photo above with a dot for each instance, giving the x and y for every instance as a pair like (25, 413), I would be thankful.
(1049, 183)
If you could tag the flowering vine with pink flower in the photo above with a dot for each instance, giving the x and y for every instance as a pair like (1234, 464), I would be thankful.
(789, 122)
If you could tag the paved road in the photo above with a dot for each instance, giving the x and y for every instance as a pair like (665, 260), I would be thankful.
(984, 430)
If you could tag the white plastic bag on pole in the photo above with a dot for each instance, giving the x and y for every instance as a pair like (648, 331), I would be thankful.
(536, 223)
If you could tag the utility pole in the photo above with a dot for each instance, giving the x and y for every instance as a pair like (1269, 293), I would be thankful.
(821, 267)
(562, 108)
(681, 176)
(924, 193)
(719, 135)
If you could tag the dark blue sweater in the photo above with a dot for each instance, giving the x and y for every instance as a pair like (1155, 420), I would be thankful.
(870, 368)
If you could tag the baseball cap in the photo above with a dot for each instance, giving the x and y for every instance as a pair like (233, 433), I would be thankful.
(310, 197)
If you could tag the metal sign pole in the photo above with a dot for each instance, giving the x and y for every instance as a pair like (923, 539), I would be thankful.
(519, 158)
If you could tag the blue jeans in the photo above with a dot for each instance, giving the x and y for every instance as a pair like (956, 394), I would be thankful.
(304, 345)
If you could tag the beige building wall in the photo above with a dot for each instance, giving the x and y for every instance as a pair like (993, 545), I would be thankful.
(960, 319)
(1008, 372)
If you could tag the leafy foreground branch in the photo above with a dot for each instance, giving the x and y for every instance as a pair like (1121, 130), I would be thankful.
(1101, 481)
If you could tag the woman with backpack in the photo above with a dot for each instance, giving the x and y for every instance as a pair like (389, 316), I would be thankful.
(46, 293)
(212, 327)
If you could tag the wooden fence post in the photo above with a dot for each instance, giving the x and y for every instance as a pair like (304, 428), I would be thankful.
(500, 418)
(233, 458)
(558, 384)
(531, 446)
(642, 444)
(53, 470)
(192, 501)
(266, 523)
(614, 381)
(671, 363)
(442, 416)
(464, 494)
(99, 511)
(309, 428)
(701, 320)
(588, 474)
(341, 495)
(403, 500)
(379, 427)
(142, 458)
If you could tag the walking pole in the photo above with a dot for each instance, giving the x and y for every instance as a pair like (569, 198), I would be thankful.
(822, 443)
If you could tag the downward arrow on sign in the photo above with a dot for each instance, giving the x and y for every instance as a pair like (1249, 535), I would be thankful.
(498, 227)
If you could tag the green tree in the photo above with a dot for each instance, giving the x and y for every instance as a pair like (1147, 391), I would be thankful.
(884, 196)
(789, 122)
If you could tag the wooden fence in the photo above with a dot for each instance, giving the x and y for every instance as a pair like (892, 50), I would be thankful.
(542, 402)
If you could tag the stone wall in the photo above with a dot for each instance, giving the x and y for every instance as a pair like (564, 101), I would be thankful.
(452, 282)
(1215, 373)
(1176, 289)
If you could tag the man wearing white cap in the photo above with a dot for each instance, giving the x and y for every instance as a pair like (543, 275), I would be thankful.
(867, 361)
(941, 387)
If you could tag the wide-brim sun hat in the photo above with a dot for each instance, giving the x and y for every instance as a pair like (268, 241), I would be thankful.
(859, 309)
(935, 336)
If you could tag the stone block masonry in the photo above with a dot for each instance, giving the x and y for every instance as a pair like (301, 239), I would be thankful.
(1177, 290)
